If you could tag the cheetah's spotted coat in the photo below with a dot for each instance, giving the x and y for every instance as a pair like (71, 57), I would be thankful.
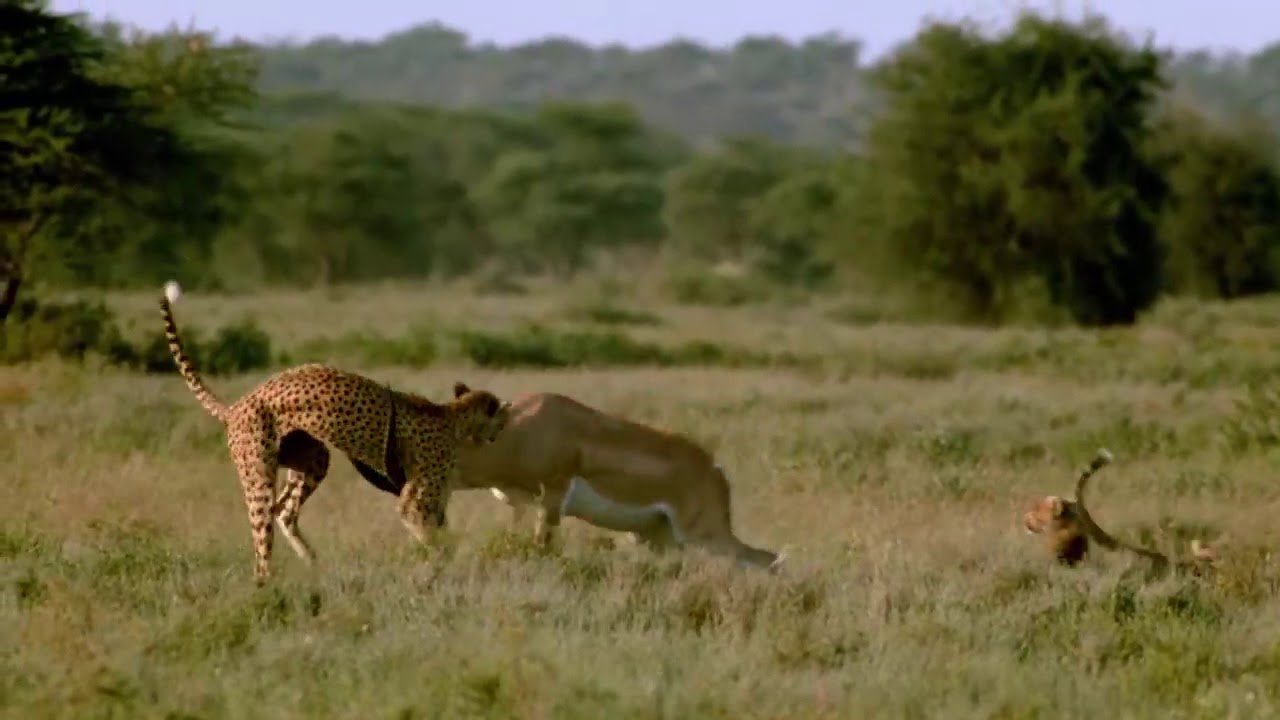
(287, 420)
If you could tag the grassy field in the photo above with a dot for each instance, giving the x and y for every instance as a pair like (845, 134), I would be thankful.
(890, 459)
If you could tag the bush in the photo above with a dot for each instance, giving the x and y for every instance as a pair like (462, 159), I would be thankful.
(703, 286)
(536, 346)
(153, 356)
(238, 348)
(35, 330)
(605, 312)
(75, 330)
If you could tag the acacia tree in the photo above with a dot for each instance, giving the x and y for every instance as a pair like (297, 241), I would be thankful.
(78, 141)
(61, 129)
(166, 223)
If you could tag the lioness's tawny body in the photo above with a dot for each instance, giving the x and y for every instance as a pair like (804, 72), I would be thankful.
(571, 460)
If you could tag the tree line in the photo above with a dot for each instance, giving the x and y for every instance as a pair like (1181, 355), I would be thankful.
(1047, 168)
(793, 92)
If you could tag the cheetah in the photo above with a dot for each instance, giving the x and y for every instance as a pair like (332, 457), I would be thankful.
(1069, 527)
(287, 420)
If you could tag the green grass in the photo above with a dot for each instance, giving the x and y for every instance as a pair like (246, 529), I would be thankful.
(892, 465)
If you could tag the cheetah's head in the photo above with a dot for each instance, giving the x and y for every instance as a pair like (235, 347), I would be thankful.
(479, 415)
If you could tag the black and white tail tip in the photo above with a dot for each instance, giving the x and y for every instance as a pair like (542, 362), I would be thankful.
(172, 291)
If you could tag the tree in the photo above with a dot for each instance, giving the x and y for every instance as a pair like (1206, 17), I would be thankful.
(104, 139)
(593, 183)
(64, 132)
(345, 198)
(709, 199)
(1020, 159)
(790, 225)
(163, 229)
(371, 193)
(1222, 228)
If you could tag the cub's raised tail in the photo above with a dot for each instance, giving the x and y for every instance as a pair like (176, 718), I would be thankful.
(187, 369)
(1070, 528)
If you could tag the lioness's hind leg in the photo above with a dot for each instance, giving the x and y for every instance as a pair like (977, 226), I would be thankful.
(707, 529)
(544, 529)
(518, 509)
(307, 460)
(742, 552)
(660, 539)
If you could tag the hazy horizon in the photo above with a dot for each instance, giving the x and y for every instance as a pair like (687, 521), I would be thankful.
(1241, 26)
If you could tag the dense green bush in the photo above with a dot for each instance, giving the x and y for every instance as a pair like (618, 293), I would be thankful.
(998, 160)
(537, 346)
(36, 329)
(78, 329)
(608, 312)
(237, 348)
(530, 345)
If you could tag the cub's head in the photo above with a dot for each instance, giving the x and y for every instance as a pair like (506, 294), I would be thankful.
(1056, 518)
(479, 416)
(1045, 513)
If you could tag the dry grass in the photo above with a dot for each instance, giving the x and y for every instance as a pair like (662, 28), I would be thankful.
(893, 472)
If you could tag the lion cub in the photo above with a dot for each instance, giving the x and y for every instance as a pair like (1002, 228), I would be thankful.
(1069, 528)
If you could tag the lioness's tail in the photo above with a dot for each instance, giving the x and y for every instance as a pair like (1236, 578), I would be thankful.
(1100, 536)
(210, 402)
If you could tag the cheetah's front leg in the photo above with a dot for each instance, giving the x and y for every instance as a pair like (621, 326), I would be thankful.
(423, 502)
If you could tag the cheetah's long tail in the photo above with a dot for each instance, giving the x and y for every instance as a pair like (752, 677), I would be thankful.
(186, 368)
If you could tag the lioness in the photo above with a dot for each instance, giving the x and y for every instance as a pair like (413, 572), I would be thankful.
(571, 460)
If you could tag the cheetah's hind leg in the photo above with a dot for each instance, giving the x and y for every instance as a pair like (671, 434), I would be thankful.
(307, 462)
(256, 463)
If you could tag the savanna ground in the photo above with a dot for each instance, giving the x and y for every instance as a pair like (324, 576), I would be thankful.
(892, 464)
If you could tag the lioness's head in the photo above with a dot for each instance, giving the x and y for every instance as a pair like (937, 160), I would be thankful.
(479, 416)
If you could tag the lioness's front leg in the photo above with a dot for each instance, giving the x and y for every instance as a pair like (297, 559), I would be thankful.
(548, 517)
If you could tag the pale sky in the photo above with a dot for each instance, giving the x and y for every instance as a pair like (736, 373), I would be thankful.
(1244, 25)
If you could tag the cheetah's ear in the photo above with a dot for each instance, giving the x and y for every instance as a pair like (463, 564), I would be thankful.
(460, 389)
